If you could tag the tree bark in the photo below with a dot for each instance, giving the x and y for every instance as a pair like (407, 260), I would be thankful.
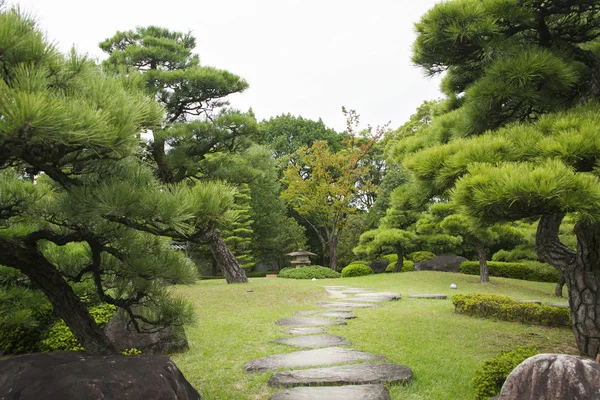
(581, 271)
(400, 262)
(559, 286)
(30, 261)
(484, 274)
(229, 265)
(333, 242)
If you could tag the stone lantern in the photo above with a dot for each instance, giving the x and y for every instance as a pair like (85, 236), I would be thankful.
(300, 258)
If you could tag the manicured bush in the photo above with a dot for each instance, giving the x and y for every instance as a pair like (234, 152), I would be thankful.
(517, 254)
(308, 272)
(356, 269)
(489, 379)
(507, 309)
(407, 266)
(60, 337)
(420, 256)
(527, 271)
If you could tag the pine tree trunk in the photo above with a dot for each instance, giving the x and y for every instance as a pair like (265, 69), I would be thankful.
(400, 263)
(333, 252)
(581, 271)
(484, 274)
(30, 261)
(230, 266)
(559, 286)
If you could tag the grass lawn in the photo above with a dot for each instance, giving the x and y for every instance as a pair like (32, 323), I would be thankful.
(236, 322)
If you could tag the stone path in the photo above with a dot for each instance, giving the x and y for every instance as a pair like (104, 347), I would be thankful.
(340, 377)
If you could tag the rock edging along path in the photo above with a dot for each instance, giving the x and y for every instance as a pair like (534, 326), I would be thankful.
(351, 380)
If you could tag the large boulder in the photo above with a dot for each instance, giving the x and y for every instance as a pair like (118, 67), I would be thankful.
(553, 377)
(441, 263)
(75, 376)
(166, 341)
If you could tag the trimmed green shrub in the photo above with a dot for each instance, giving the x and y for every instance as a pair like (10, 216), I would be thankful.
(489, 379)
(308, 272)
(392, 258)
(60, 337)
(507, 309)
(356, 269)
(420, 256)
(527, 271)
(407, 266)
(516, 254)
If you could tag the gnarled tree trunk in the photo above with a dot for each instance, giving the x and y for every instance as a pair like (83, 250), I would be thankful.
(484, 274)
(581, 271)
(230, 266)
(30, 261)
(400, 262)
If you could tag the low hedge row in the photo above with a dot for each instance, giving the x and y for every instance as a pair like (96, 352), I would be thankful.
(527, 271)
(308, 272)
(507, 309)
(489, 379)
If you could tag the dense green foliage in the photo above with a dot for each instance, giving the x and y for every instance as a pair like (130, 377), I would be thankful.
(506, 309)
(489, 379)
(356, 269)
(308, 272)
(420, 256)
(528, 271)
(407, 265)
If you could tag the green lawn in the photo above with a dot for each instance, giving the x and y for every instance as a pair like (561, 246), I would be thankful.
(236, 322)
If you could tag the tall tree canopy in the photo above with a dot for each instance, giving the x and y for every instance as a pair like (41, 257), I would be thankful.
(69, 174)
(196, 124)
(523, 78)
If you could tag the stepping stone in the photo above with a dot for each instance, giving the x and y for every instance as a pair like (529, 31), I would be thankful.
(357, 374)
(338, 315)
(335, 287)
(558, 304)
(310, 358)
(305, 331)
(335, 304)
(357, 290)
(532, 301)
(371, 299)
(357, 392)
(306, 321)
(427, 296)
(314, 342)
(391, 295)
(340, 310)
(311, 312)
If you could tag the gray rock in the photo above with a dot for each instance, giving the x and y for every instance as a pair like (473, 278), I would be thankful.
(442, 263)
(310, 358)
(553, 377)
(340, 310)
(358, 392)
(357, 290)
(305, 331)
(379, 266)
(427, 296)
(166, 341)
(314, 342)
(311, 312)
(358, 374)
(390, 295)
(336, 304)
(370, 299)
(338, 315)
(305, 321)
(76, 375)
(558, 304)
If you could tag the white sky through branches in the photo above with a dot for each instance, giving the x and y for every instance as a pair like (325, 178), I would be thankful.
(306, 58)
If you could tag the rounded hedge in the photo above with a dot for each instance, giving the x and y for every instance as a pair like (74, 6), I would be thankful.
(308, 272)
(420, 256)
(356, 269)
(489, 379)
(407, 266)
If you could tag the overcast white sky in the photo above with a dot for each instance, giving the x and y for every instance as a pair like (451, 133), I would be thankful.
(306, 57)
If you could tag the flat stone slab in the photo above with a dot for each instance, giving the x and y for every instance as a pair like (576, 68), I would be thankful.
(305, 331)
(357, 290)
(314, 342)
(370, 299)
(306, 321)
(310, 358)
(340, 310)
(336, 304)
(357, 374)
(356, 392)
(427, 296)
(391, 295)
(558, 304)
(335, 287)
(338, 315)
(311, 312)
